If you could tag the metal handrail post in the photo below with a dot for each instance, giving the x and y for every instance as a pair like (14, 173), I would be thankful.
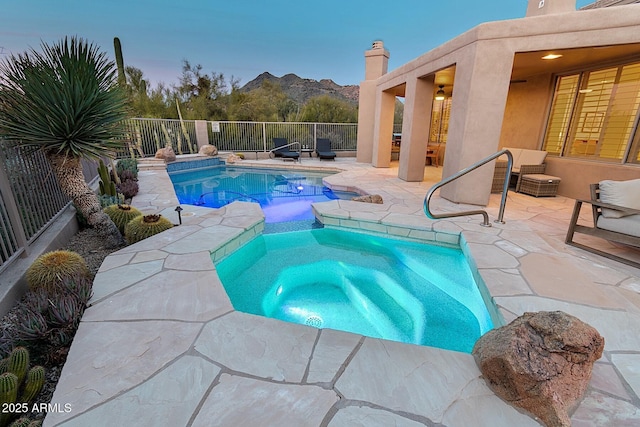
(503, 201)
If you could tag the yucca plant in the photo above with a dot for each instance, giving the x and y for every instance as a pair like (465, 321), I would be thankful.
(65, 101)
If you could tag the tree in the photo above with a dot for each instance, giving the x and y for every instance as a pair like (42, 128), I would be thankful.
(65, 102)
(204, 97)
(268, 103)
(325, 109)
(144, 102)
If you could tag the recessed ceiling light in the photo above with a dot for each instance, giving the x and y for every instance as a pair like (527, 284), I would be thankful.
(552, 56)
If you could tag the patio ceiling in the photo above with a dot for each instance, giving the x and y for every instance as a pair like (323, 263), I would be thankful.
(527, 64)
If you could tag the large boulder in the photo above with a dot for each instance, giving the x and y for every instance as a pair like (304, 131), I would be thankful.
(167, 154)
(208, 150)
(372, 198)
(232, 158)
(540, 362)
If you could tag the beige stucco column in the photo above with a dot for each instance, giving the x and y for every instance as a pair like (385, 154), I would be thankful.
(383, 129)
(202, 133)
(480, 95)
(416, 121)
(376, 64)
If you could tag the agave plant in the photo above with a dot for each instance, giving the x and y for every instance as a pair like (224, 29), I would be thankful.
(65, 101)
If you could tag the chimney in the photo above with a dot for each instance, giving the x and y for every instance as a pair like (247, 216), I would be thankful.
(549, 7)
(376, 61)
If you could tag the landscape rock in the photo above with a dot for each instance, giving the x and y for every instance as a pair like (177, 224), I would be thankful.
(232, 158)
(208, 150)
(372, 198)
(167, 154)
(540, 362)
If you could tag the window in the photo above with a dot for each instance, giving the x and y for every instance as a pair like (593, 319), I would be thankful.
(561, 109)
(594, 115)
(440, 113)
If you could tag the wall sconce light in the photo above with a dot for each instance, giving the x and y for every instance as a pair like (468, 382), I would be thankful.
(440, 93)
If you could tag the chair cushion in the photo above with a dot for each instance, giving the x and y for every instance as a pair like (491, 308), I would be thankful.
(628, 225)
(530, 157)
(515, 152)
(620, 193)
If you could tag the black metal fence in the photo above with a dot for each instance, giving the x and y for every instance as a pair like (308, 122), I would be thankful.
(146, 136)
(30, 199)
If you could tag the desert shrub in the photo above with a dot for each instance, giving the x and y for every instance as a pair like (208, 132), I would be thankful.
(128, 188)
(129, 165)
(51, 269)
(121, 214)
(47, 320)
(110, 200)
(127, 175)
(145, 226)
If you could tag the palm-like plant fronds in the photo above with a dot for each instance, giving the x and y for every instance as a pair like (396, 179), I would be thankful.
(63, 100)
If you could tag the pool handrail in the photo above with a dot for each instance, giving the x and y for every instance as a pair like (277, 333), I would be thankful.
(503, 200)
(284, 146)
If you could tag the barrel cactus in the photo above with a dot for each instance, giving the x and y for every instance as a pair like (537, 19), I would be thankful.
(8, 388)
(19, 385)
(145, 226)
(121, 214)
(19, 362)
(51, 269)
(33, 384)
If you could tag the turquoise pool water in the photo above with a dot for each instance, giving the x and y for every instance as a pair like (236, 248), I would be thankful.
(284, 194)
(369, 285)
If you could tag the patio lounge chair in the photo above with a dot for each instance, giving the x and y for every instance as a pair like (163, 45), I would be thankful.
(323, 149)
(284, 151)
(616, 217)
(525, 162)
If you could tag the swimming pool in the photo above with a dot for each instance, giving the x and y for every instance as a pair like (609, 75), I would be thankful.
(369, 285)
(284, 194)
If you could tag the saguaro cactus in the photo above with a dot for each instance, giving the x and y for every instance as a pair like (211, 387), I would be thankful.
(122, 79)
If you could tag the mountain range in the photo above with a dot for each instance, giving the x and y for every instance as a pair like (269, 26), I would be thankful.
(300, 90)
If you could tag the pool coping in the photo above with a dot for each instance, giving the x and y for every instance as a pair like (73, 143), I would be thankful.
(225, 362)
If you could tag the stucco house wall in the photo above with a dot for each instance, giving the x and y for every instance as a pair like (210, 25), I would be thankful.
(488, 110)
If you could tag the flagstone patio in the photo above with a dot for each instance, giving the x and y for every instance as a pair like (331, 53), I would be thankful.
(161, 344)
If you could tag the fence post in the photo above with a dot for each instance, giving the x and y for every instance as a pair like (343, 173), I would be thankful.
(315, 135)
(202, 133)
(12, 210)
(264, 137)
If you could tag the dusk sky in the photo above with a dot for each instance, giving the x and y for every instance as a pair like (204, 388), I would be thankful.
(243, 38)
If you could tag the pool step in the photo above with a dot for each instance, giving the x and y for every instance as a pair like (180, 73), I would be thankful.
(151, 164)
(377, 303)
(284, 227)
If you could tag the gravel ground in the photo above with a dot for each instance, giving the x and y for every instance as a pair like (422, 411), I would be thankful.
(90, 245)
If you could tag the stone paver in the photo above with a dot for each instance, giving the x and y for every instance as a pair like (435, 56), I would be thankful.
(162, 345)
(238, 401)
